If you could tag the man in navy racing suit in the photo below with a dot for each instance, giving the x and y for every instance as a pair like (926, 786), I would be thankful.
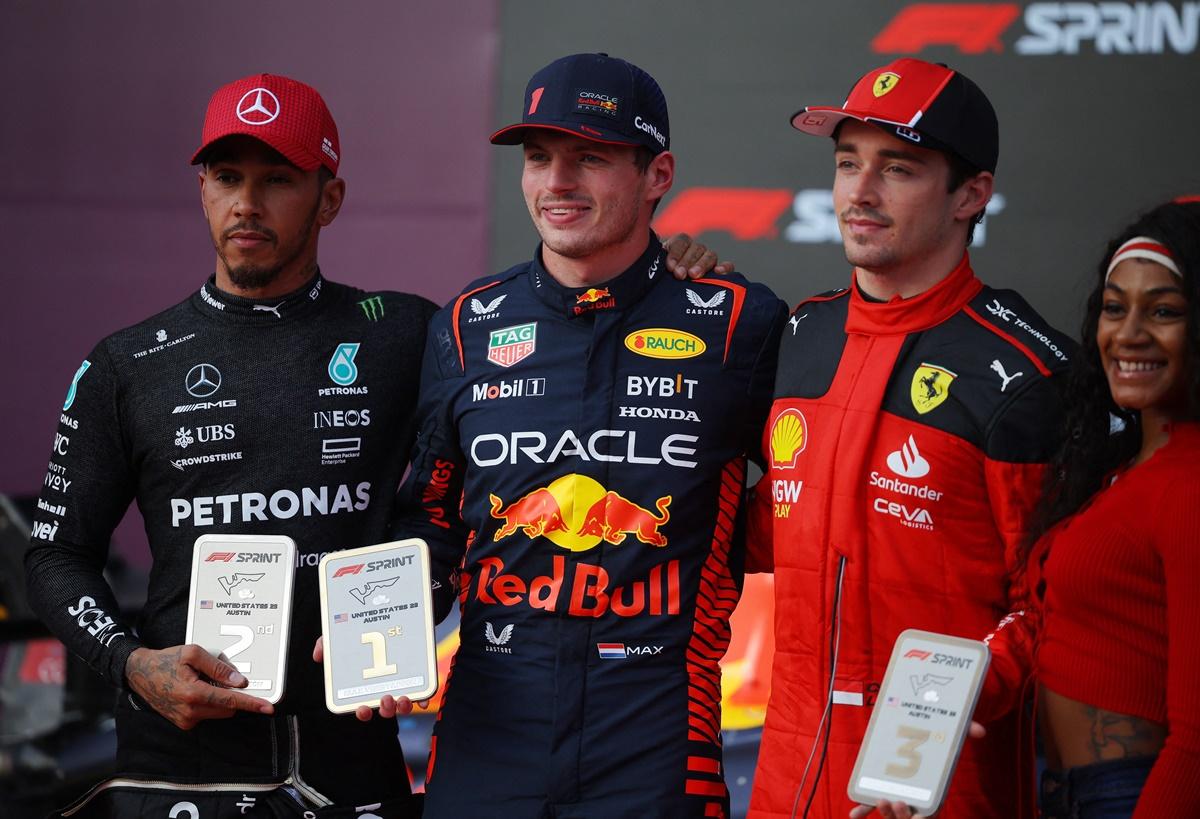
(271, 401)
(584, 426)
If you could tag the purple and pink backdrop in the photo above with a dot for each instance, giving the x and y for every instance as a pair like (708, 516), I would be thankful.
(99, 211)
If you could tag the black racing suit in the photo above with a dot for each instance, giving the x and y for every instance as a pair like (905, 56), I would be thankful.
(216, 416)
(597, 438)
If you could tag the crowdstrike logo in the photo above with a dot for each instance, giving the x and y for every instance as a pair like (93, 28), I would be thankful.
(258, 106)
(907, 461)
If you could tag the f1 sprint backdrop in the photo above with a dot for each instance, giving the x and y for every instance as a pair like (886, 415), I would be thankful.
(1095, 99)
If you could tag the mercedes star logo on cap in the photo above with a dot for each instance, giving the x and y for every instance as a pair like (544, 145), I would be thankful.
(258, 106)
(203, 380)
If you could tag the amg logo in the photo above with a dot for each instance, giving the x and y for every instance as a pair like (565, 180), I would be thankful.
(205, 405)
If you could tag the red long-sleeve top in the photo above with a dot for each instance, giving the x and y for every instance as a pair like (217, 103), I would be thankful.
(1122, 612)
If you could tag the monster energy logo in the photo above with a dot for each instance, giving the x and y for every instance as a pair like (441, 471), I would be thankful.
(372, 307)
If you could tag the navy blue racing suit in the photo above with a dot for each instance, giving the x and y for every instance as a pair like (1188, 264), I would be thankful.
(578, 474)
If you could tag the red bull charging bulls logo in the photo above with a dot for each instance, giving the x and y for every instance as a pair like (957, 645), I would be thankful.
(577, 513)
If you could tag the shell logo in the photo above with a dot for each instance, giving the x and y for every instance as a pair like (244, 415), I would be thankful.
(659, 342)
(789, 436)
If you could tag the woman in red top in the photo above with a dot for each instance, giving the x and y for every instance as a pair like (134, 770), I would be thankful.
(1118, 660)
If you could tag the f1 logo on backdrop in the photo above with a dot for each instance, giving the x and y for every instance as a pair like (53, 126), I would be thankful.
(1049, 28)
(751, 214)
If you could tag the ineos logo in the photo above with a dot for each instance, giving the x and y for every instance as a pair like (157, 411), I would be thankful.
(258, 106)
(202, 380)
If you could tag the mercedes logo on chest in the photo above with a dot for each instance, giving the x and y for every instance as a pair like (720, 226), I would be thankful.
(258, 106)
(202, 380)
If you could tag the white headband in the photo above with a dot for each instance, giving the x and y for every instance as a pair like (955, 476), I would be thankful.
(1143, 247)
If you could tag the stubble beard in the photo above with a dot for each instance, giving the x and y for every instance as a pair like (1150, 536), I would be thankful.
(613, 228)
(254, 277)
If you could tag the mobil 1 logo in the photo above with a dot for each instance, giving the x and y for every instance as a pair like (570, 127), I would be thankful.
(240, 605)
(377, 621)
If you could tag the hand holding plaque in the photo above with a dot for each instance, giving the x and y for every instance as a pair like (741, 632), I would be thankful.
(377, 625)
(240, 606)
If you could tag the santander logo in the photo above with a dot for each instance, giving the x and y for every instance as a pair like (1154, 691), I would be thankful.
(907, 461)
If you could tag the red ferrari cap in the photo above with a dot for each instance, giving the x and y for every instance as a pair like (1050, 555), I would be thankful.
(288, 115)
(924, 103)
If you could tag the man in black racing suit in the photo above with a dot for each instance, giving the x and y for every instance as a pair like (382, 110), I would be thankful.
(271, 401)
(587, 419)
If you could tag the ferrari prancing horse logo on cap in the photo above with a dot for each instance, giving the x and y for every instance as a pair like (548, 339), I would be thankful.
(884, 83)
(258, 106)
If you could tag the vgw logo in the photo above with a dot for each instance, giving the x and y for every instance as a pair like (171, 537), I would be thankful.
(342, 369)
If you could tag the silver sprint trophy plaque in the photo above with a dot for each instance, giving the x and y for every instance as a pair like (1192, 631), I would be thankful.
(240, 605)
(377, 621)
(920, 720)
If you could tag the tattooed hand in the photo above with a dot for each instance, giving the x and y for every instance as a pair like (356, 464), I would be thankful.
(186, 684)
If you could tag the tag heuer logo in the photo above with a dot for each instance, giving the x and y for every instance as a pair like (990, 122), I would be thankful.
(509, 345)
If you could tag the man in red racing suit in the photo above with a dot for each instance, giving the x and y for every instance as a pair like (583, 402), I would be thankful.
(913, 415)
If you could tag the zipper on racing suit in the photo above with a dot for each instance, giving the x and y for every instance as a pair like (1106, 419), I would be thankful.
(309, 794)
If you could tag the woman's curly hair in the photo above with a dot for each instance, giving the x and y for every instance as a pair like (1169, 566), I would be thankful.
(1100, 436)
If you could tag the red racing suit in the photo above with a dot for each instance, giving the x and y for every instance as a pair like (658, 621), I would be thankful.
(594, 443)
(908, 439)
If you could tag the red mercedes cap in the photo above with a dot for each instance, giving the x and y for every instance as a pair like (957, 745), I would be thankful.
(925, 103)
(288, 115)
